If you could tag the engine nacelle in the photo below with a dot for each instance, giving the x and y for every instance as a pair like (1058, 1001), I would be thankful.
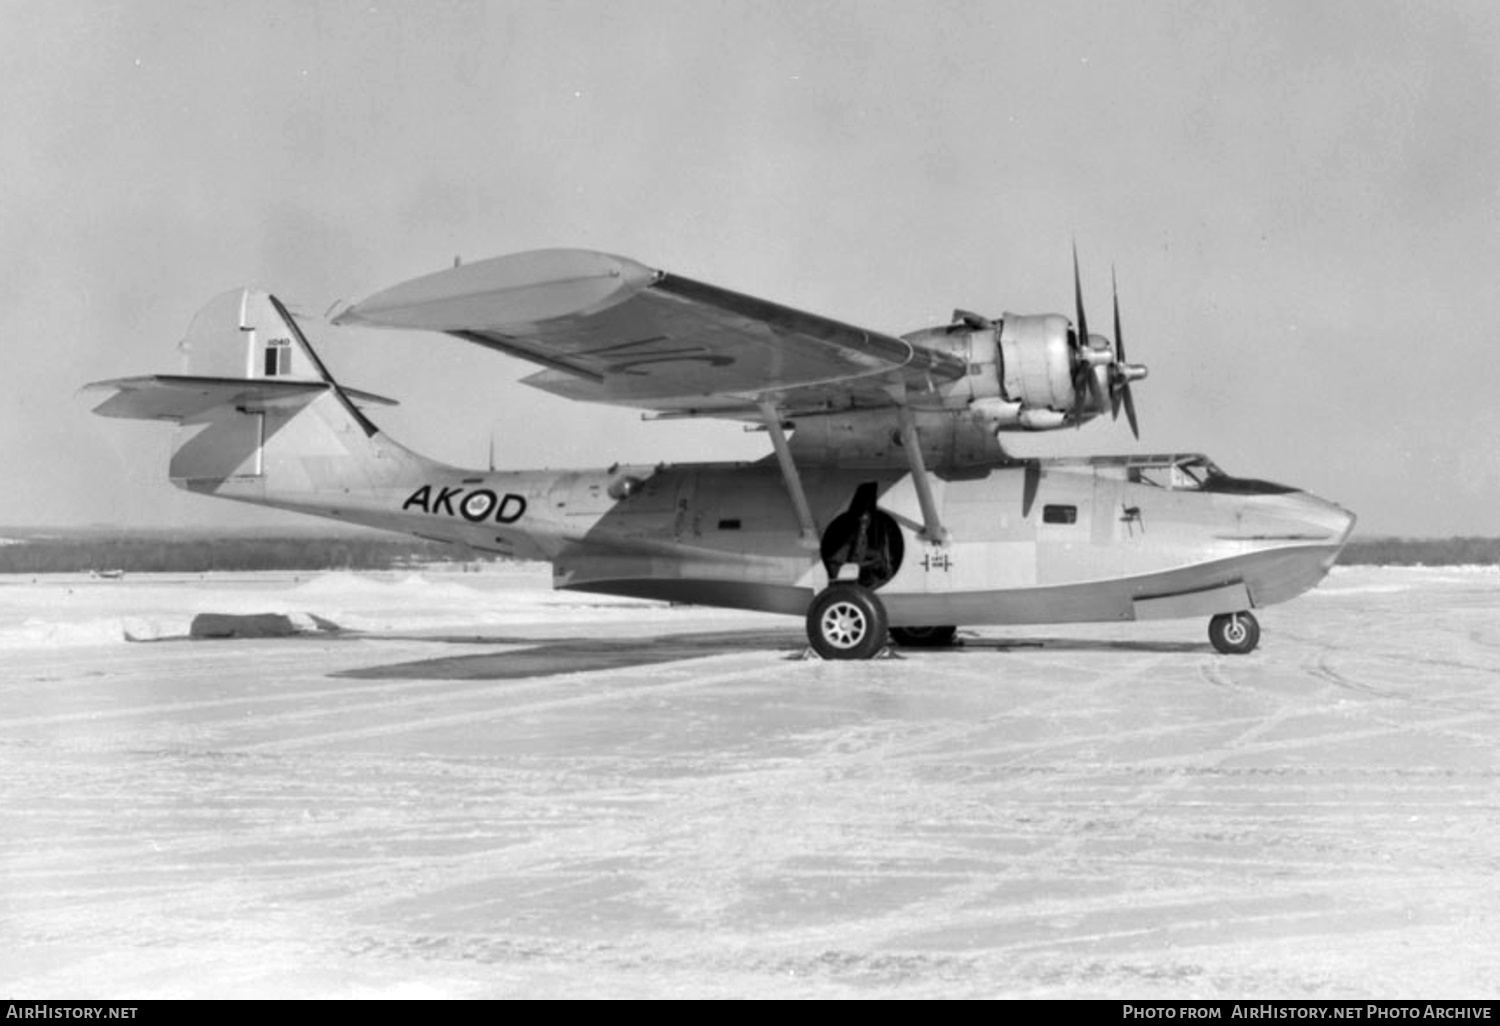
(1036, 354)
(1026, 371)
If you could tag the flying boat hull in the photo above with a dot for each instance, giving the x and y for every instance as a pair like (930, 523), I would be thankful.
(1090, 548)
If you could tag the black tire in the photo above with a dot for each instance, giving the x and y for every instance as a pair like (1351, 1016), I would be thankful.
(846, 621)
(1234, 633)
(924, 637)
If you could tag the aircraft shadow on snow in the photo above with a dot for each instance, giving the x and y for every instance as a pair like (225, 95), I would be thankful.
(529, 657)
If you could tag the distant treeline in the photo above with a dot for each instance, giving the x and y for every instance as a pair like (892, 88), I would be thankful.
(154, 553)
(1421, 552)
(81, 552)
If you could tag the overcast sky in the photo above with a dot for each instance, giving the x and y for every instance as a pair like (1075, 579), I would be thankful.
(1302, 200)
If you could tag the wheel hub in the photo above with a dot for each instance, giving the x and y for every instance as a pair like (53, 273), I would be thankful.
(844, 625)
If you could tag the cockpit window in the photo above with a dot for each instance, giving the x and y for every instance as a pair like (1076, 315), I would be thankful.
(1198, 474)
(1183, 476)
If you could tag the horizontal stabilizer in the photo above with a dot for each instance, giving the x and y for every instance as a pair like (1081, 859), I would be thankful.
(180, 398)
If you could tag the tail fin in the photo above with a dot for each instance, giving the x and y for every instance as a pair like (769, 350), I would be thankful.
(261, 418)
(245, 333)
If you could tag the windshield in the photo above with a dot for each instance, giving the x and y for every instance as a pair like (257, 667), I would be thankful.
(1184, 475)
(1199, 474)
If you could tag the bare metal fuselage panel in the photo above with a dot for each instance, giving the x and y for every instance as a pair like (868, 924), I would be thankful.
(1051, 542)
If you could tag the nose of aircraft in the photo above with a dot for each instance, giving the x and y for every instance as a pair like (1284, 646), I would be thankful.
(1296, 516)
(1296, 538)
(1325, 518)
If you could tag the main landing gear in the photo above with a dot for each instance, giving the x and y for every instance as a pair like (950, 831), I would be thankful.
(1234, 633)
(847, 621)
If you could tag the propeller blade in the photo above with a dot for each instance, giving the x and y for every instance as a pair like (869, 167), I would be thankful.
(1119, 335)
(1083, 325)
(1080, 394)
(1081, 368)
(1096, 393)
(1124, 390)
(1114, 292)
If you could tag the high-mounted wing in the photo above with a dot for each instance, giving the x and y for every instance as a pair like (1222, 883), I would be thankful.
(610, 330)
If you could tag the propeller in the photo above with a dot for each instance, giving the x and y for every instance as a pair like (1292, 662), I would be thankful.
(1083, 366)
(1121, 372)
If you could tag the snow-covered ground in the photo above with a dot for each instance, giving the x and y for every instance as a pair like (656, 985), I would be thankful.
(497, 791)
(84, 609)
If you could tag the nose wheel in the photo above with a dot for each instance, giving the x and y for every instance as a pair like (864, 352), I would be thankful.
(847, 621)
(1234, 633)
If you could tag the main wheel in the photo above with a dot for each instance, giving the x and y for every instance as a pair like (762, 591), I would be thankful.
(1234, 633)
(923, 637)
(846, 621)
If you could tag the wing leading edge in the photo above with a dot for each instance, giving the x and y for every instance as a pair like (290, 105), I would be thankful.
(610, 330)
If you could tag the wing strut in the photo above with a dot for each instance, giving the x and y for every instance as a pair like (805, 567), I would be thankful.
(789, 473)
(932, 525)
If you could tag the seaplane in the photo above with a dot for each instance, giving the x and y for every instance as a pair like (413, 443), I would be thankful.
(887, 510)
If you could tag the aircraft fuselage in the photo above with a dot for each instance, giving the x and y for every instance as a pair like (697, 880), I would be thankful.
(1044, 542)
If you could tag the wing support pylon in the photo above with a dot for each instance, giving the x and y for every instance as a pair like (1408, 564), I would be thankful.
(789, 473)
(932, 525)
